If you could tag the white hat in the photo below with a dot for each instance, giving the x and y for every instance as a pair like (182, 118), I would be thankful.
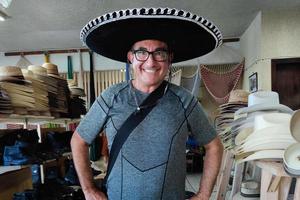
(271, 131)
(250, 188)
(295, 125)
(292, 153)
(292, 159)
(264, 100)
(263, 155)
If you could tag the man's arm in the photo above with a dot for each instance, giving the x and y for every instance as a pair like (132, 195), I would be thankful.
(82, 164)
(212, 162)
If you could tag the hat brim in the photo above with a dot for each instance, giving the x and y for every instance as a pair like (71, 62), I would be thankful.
(263, 155)
(261, 107)
(295, 125)
(291, 157)
(188, 36)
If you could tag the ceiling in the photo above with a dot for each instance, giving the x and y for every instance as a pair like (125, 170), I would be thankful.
(55, 24)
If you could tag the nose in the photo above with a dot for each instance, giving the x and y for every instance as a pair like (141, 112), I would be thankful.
(150, 61)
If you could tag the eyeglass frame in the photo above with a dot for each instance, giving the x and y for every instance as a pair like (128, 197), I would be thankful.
(134, 51)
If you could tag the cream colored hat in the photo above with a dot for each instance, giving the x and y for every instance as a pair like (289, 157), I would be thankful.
(292, 159)
(271, 131)
(295, 125)
(264, 100)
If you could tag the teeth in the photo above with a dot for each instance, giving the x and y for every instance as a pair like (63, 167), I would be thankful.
(150, 70)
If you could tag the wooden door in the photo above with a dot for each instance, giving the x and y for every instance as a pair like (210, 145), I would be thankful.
(286, 81)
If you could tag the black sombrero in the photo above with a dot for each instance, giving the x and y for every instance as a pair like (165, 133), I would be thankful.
(188, 35)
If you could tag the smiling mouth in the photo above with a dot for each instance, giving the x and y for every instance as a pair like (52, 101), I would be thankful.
(150, 70)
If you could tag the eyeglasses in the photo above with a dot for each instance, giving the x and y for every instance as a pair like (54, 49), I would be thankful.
(158, 55)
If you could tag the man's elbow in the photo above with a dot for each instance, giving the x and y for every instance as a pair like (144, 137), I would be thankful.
(77, 141)
(215, 146)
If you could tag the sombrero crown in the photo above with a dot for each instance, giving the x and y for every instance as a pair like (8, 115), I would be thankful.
(187, 35)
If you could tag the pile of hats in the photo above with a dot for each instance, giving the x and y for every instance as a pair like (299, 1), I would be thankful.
(40, 94)
(5, 102)
(18, 89)
(76, 104)
(291, 156)
(50, 85)
(263, 128)
(58, 102)
(237, 99)
(74, 89)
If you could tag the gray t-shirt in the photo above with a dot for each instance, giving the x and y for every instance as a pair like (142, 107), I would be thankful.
(152, 161)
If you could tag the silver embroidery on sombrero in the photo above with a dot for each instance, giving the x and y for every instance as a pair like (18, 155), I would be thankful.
(152, 13)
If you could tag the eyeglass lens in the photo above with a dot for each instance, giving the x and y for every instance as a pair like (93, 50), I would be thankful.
(158, 55)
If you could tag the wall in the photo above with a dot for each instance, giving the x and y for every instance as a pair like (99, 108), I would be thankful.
(100, 62)
(250, 48)
(272, 34)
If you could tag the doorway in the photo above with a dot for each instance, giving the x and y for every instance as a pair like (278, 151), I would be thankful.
(286, 81)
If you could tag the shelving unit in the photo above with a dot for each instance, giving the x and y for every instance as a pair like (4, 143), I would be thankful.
(21, 175)
(14, 179)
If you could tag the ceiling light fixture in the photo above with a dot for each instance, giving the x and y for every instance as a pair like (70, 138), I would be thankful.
(5, 3)
(3, 16)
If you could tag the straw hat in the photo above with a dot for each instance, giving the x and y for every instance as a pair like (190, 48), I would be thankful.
(188, 35)
(12, 71)
(38, 70)
(264, 100)
(238, 96)
(52, 70)
(11, 74)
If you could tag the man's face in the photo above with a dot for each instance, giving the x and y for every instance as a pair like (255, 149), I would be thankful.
(151, 72)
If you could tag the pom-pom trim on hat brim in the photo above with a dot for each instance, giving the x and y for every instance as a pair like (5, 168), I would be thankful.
(188, 36)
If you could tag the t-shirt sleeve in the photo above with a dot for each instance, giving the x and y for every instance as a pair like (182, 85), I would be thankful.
(200, 126)
(93, 122)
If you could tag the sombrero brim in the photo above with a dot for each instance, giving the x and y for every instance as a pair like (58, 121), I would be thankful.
(189, 36)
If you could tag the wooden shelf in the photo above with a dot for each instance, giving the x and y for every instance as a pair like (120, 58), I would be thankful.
(14, 180)
(32, 119)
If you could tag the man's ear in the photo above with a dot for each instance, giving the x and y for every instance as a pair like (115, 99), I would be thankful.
(129, 56)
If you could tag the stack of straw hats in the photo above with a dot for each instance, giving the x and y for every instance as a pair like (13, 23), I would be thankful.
(40, 74)
(75, 91)
(40, 93)
(59, 101)
(5, 102)
(237, 99)
(76, 104)
(262, 128)
(18, 89)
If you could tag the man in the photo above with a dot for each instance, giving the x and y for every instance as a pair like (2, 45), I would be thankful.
(150, 163)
